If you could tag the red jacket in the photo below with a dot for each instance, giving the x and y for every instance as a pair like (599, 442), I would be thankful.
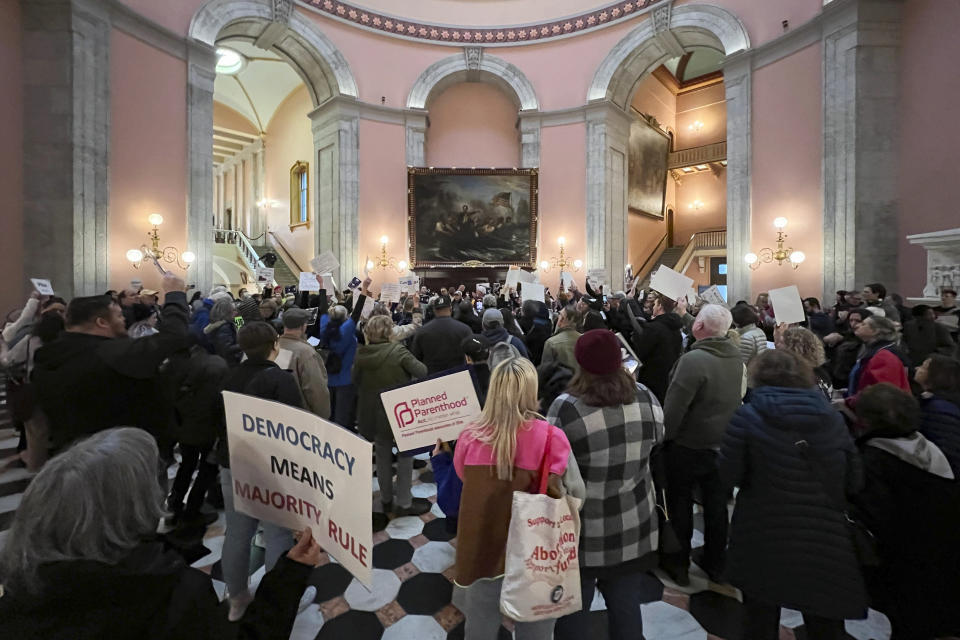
(883, 366)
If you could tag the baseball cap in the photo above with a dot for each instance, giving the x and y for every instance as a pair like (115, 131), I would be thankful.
(442, 302)
(148, 292)
(492, 317)
(295, 317)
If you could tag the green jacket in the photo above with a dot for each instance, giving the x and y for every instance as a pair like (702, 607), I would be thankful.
(559, 348)
(378, 367)
(706, 388)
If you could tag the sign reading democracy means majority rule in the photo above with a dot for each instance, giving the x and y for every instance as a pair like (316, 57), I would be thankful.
(297, 470)
(421, 412)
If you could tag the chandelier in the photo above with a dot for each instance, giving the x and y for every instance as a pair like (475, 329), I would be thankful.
(780, 254)
(383, 261)
(563, 262)
(153, 253)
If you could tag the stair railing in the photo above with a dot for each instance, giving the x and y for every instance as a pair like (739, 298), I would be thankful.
(250, 256)
(287, 256)
(651, 260)
(709, 242)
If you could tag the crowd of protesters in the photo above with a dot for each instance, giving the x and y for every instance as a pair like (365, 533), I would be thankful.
(835, 441)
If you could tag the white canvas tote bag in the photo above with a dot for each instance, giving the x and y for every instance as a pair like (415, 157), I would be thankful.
(542, 572)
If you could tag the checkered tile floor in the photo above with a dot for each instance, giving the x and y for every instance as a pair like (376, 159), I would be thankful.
(412, 592)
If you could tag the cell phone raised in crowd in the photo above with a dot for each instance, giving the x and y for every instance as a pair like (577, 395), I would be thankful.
(354, 283)
(479, 305)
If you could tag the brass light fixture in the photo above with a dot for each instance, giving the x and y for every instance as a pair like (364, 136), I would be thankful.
(384, 261)
(171, 254)
(563, 262)
(780, 254)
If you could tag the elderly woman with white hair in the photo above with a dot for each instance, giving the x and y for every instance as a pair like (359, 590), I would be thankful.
(83, 561)
(338, 335)
(222, 331)
(706, 388)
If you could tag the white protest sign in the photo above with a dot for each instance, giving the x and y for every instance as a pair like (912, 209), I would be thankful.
(367, 307)
(712, 295)
(597, 276)
(670, 283)
(297, 470)
(328, 282)
(528, 276)
(566, 279)
(421, 412)
(513, 277)
(326, 262)
(309, 281)
(283, 358)
(264, 274)
(786, 304)
(42, 286)
(409, 284)
(532, 291)
(313, 341)
(390, 292)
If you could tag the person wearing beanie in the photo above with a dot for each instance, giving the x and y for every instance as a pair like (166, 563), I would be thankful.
(706, 388)
(437, 343)
(613, 423)
(304, 362)
(494, 331)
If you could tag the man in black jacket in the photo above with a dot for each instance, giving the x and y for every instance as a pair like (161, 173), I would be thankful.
(658, 346)
(94, 377)
(437, 343)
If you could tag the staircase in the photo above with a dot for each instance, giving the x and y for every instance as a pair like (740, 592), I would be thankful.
(669, 257)
(282, 272)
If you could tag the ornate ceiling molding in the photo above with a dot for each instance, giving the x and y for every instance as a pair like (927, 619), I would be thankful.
(453, 35)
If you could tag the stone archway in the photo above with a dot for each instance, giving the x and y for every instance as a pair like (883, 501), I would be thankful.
(474, 65)
(667, 34)
(275, 26)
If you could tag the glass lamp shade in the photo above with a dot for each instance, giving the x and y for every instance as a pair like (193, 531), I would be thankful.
(155, 219)
(797, 257)
(780, 222)
(188, 256)
(134, 255)
(750, 258)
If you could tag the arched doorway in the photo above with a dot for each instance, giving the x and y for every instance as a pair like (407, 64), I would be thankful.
(275, 27)
(669, 33)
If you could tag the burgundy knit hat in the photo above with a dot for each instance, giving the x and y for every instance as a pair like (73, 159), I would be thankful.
(598, 352)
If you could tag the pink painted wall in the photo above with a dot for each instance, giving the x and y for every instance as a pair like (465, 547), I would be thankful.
(148, 152)
(709, 190)
(787, 151)
(700, 279)
(705, 105)
(11, 161)
(224, 116)
(762, 20)
(563, 197)
(174, 16)
(472, 124)
(929, 94)
(383, 207)
(289, 139)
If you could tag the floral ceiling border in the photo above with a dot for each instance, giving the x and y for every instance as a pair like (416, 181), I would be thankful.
(487, 36)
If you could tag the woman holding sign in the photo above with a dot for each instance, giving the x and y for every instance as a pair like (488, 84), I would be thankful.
(501, 454)
(379, 365)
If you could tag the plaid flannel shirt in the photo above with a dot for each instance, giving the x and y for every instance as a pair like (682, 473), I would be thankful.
(612, 446)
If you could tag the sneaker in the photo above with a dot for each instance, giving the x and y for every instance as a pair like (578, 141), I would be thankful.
(238, 605)
(309, 594)
(415, 509)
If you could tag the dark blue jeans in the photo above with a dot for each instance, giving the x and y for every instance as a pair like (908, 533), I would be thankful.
(623, 593)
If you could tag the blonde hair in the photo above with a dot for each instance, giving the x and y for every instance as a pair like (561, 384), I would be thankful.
(511, 401)
(378, 329)
(805, 344)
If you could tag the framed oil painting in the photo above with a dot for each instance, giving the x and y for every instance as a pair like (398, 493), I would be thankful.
(648, 150)
(472, 217)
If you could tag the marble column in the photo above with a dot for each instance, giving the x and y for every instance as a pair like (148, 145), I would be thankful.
(335, 126)
(860, 138)
(608, 131)
(66, 143)
(737, 78)
(201, 62)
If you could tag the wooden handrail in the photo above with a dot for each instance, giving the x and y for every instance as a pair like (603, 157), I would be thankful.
(656, 253)
(709, 240)
(288, 257)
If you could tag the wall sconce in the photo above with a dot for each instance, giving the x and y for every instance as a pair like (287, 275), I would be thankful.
(383, 261)
(153, 252)
(563, 262)
(696, 127)
(696, 205)
(779, 254)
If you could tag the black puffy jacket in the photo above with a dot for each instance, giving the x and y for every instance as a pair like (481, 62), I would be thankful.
(940, 424)
(789, 543)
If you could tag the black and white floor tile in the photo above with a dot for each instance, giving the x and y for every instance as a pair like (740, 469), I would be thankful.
(413, 593)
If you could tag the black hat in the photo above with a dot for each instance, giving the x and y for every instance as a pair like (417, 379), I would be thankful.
(476, 347)
(442, 302)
